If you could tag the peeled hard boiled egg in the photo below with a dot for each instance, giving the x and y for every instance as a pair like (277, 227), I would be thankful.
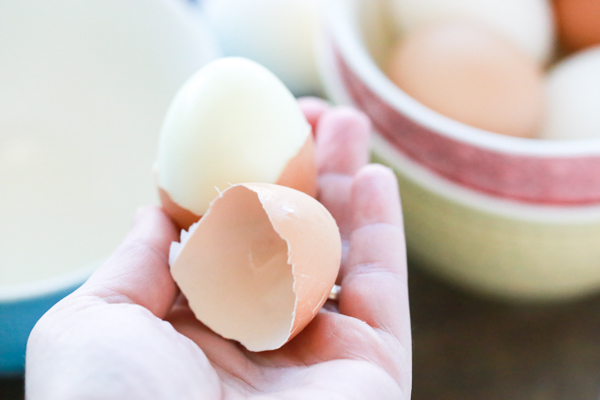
(232, 122)
(573, 97)
(279, 34)
(471, 75)
(526, 23)
(259, 265)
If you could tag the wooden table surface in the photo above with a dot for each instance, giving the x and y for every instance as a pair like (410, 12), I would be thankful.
(466, 347)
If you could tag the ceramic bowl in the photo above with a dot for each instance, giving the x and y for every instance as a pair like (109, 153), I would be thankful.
(84, 86)
(509, 217)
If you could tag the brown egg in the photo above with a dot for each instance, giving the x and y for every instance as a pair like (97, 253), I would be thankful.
(299, 173)
(578, 23)
(472, 76)
(259, 265)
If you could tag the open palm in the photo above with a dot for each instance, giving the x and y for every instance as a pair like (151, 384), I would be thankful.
(128, 333)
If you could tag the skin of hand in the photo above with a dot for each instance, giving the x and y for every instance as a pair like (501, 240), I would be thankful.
(127, 333)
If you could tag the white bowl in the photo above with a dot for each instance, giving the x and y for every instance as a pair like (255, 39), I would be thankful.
(84, 86)
(514, 218)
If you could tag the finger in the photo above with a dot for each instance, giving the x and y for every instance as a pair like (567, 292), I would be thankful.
(138, 271)
(342, 149)
(313, 108)
(343, 141)
(374, 280)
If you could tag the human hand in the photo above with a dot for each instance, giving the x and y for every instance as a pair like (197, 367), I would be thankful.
(128, 334)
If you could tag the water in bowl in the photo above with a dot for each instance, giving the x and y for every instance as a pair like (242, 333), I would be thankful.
(69, 189)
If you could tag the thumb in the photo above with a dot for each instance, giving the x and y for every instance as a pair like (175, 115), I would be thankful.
(138, 271)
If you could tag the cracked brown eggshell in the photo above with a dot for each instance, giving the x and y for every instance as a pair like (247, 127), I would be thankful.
(259, 265)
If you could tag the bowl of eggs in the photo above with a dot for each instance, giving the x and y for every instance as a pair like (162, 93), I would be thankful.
(84, 88)
(492, 128)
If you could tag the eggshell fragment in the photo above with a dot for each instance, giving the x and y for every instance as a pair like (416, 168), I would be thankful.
(259, 265)
(232, 122)
(528, 24)
(573, 97)
(471, 75)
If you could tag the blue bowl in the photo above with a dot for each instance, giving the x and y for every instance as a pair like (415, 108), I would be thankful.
(21, 307)
(114, 66)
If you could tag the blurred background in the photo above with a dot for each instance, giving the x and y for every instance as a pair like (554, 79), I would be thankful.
(487, 110)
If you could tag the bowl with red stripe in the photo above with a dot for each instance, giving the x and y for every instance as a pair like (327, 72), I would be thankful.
(510, 217)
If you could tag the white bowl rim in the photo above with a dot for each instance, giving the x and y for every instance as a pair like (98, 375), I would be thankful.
(46, 287)
(343, 28)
